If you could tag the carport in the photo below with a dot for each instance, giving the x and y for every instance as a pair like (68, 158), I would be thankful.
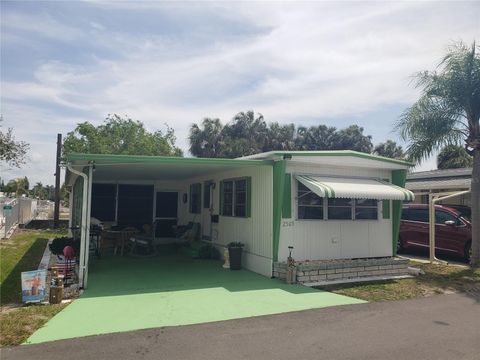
(131, 293)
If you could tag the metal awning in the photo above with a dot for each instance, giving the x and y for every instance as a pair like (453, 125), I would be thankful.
(354, 188)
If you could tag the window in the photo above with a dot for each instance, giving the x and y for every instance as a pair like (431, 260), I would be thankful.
(414, 214)
(206, 194)
(240, 205)
(442, 216)
(235, 197)
(366, 209)
(227, 196)
(310, 205)
(195, 198)
(340, 209)
(104, 201)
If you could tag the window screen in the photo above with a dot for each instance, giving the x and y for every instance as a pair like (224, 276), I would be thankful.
(104, 198)
(310, 205)
(366, 209)
(195, 198)
(135, 205)
(340, 209)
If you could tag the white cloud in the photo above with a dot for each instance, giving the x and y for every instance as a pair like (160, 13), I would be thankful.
(310, 60)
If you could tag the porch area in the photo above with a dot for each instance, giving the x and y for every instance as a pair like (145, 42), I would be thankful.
(128, 293)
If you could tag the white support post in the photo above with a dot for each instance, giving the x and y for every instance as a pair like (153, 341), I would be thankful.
(89, 209)
(83, 226)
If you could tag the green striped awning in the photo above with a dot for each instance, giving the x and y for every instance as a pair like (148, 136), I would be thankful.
(354, 188)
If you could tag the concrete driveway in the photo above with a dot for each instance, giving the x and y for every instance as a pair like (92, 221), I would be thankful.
(127, 294)
(439, 327)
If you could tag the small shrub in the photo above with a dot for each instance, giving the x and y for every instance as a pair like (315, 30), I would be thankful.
(58, 244)
(235, 244)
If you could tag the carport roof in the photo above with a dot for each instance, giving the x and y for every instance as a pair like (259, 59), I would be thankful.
(140, 167)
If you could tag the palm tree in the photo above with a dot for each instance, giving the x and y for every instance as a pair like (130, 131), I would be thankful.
(453, 157)
(389, 149)
(448, 112)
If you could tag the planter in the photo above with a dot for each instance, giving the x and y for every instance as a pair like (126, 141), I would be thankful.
(235, 256)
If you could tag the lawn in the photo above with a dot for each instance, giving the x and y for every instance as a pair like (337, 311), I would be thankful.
(438, 279)
(22, 252)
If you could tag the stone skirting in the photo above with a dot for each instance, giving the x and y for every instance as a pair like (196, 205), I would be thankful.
(334, 270)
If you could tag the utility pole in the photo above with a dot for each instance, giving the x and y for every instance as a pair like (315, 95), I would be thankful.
(56, 210)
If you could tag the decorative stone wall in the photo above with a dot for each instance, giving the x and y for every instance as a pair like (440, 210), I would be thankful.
(330, 270)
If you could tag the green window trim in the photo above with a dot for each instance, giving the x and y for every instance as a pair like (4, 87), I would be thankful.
(287, 197)
(248, 197)
(386, 209)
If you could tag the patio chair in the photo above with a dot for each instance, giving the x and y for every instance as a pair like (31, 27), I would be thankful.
(143, 244)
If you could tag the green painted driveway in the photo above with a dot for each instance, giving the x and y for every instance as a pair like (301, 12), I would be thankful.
(134, 293)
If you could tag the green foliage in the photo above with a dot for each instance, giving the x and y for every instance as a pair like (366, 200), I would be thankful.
(448, 113)
(235, 244)
(454, 157)
(247, 135)
(390, 149)
(58, 244)
(448, 110)
(12, 152)
(118, 135)
(18, 186)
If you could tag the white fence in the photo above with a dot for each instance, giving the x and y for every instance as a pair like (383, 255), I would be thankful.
(15, 212)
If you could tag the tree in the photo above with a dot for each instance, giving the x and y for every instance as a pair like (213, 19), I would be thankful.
(454, 157)
(11, 151)
(39, 191)
(390, 149)
(119, 135)
(247, 135)
(448, 112)
(206, 140)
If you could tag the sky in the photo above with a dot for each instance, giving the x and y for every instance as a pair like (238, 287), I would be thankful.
(308, 63)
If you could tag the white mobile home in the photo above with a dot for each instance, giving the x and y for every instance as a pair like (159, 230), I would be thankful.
(326, 204)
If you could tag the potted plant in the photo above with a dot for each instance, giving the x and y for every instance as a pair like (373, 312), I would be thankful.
(235, 255)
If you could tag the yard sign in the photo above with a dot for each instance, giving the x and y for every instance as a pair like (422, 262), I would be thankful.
(33, 285)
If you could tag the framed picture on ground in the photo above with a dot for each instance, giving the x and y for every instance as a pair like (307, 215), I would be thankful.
(33, 286)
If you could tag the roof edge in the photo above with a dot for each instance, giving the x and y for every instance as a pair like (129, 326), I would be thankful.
(115, 158)
(334, 153)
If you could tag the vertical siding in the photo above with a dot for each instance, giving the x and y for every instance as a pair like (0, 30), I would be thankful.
(255, 232)
(334, 239)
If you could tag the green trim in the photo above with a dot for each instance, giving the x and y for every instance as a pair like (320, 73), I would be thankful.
(398, 178)
(287, 197)
(130, 159)
(278, 190)
(342, 153)
(386, 209)
(248, 210)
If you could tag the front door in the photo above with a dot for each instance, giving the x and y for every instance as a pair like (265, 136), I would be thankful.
(166, 213)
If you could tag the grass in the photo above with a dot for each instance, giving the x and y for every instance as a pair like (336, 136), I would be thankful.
(22, 252)
(17, 324)
(438, 279)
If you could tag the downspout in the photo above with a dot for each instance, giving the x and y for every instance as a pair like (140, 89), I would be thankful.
(89, 209)
(83, 230)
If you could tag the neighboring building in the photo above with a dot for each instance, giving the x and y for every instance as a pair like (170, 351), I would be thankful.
(327, 204)
(437, 181)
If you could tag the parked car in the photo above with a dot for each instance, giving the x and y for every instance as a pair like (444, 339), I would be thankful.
(465, 211)
(453, 232)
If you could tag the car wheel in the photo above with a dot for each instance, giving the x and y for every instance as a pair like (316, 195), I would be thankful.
(467, 252)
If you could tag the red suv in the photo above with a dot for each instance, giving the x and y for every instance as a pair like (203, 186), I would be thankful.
(453, 232)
